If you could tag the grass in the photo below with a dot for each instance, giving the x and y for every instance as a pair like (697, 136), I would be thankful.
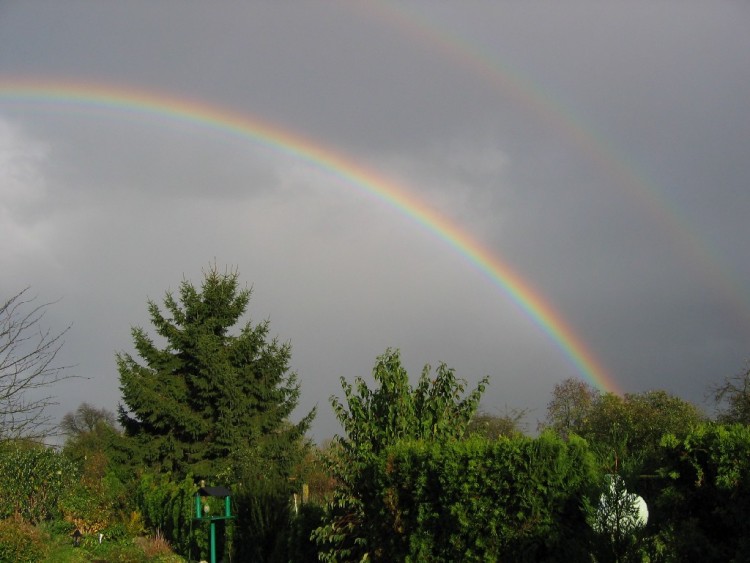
(138, 550)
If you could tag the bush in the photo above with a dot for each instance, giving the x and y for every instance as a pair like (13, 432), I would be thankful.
(300, 547)
(21, 542)
(168, 506)
(34, 480)
(514, 499)
(702, 509)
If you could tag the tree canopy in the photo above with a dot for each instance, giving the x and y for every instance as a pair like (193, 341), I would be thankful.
(208, 396)
(435, 411)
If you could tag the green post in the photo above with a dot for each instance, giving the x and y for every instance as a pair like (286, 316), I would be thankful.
(213, 541)
(202, 517)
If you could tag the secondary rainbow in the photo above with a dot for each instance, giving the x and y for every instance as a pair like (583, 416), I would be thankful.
(413, 22)
(128, 99)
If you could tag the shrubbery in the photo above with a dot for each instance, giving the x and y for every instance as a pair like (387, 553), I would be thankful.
(20, 542)
(514, 499)
(702, 506)
(35, 478)
(167, 506)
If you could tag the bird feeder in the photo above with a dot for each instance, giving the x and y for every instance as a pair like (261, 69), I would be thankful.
(202, 513)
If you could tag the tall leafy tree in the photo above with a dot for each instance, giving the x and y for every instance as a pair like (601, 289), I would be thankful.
(209, 397)
(631, 426)
(435, 411)
(570, 407)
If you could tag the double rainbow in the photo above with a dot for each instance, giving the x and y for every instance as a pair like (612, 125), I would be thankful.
(199, 113)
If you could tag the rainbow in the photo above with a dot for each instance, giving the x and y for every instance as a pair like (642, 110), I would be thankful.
(414, 23)
(196, 112)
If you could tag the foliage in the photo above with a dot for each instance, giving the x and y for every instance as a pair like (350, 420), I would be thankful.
(20, 542)
(99, 499)
(511, 499)
(314, 473)
(374, 419)
(628, 429)
(263, 522)
(141, 549)
(35, 478)
(493, 426)
(733, 398)
(300, 547)
(168, 506)
(208, 394)
(571, 405)
(618, 520)
(625, 430)
(28, 354)
(86, 419)
(701, 508)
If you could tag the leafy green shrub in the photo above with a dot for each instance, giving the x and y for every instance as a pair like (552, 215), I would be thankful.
(167, 506)
(514, 499)
(86, 509)
(263, 520)
(702, 509)
(59, 527)
(34, 479)
(21, 542)
(437, 411)
(300, 547)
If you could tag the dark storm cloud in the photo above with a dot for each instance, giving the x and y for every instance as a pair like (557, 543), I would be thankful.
(598, 149)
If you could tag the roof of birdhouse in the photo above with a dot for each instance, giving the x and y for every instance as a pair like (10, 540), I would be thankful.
(214, 492)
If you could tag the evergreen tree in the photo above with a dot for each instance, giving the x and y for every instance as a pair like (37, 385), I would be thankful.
(208, 398)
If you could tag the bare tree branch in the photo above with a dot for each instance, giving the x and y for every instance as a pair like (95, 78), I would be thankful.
(27, 367)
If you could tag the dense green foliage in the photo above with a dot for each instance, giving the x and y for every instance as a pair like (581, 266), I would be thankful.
(209, 396)
(35, 478)
(504, 500)
(419, 473)
(20, 542)
(374, 419)
(702, 508)
(212, 403)
(168, 505)
(624, 429)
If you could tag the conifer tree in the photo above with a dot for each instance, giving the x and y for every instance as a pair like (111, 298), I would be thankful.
(209, 397)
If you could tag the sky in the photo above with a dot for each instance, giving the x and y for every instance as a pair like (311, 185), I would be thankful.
(531, 191)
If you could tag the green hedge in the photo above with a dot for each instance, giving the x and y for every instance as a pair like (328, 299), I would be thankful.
(702, 504)
(514, 499)
(168, 506)
(35, 478)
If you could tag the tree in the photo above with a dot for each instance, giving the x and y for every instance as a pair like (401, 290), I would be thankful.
(28, 368)
(435, 411)
(733, 398)
(702, 508)
(209, 398)
(91, 432)
(631, 426)
(620, 426)
(493, 426)
(570, 407)
(86, 418)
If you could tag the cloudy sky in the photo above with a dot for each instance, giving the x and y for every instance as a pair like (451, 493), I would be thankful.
(597, 150)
